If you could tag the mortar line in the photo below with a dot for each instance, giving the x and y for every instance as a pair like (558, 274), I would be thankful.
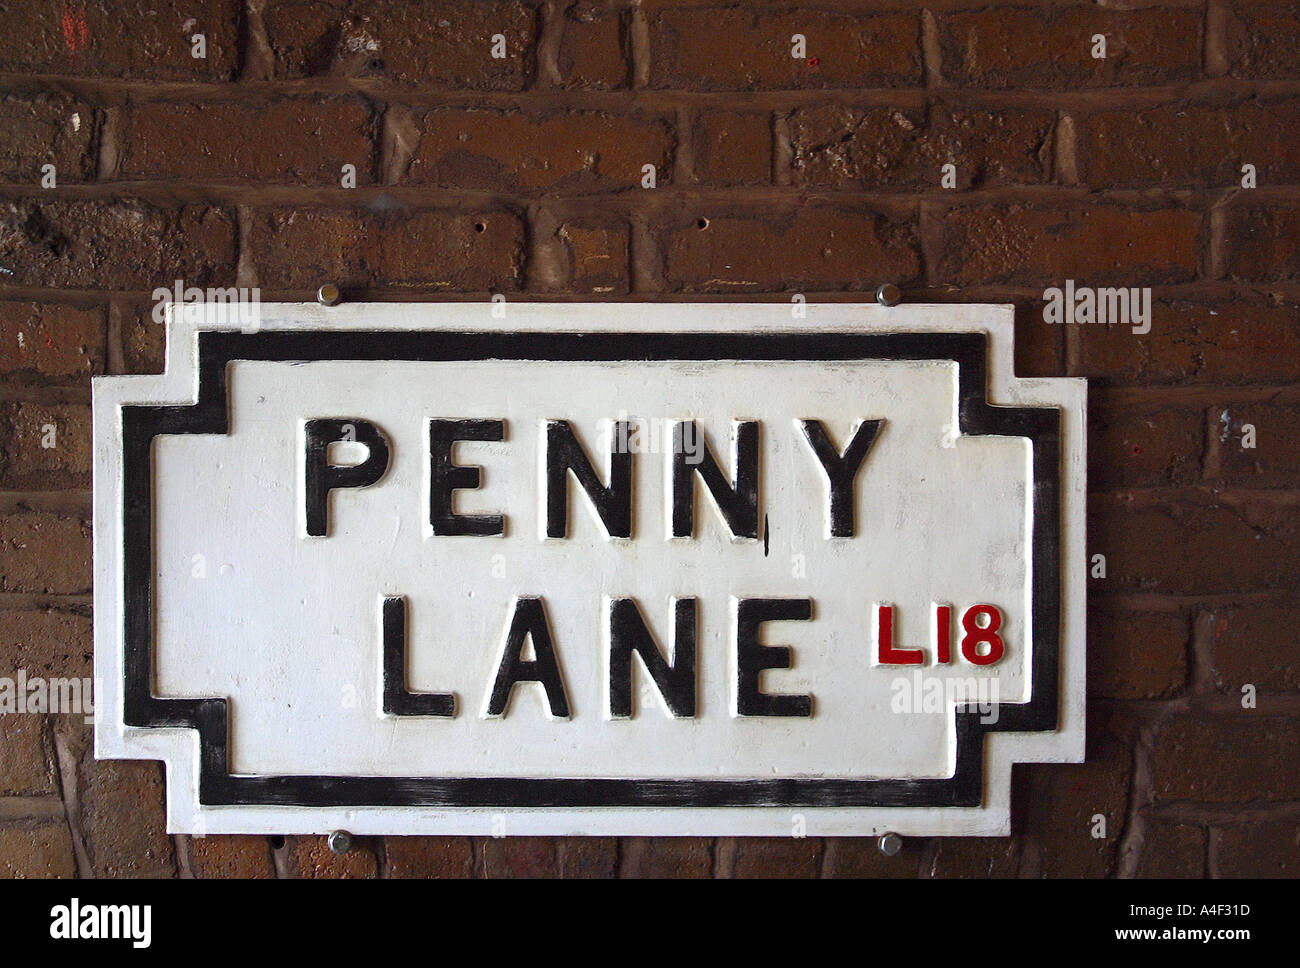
(67, 772)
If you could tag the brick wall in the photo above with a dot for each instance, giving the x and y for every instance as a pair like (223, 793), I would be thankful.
(773, 175)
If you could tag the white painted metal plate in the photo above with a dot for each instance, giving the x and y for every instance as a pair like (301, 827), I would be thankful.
(719, 571)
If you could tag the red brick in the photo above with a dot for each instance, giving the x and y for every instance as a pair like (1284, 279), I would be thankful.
(1052, 48)
(662, 857)
(1100, 246)
(1230, 342)
(593, 51)
(518, 151)
(975, 857)
(43, 851)
(1172, 850)
(765, 857)
(868, 148)
(857, 857)
(1134, 445)
(597, 253)
(299, 140)
(141, 39)
(1259, 850)
(1195, 549)
(221, 856)
(428, 857)
(27, 464)
(1255, 644)
(519, 857)
(410, 42)
(311, 857)
(1039, 348)
(44, 552)
(144, 342)
(816, 247)
(1066, 799)
(441, 250)
(84, 240)
(1259, 242)
(1192, 144)
(50, 343)
(116, 245)
(1262, 39)
(733, 147)
(1274, 461)
(110, 792)
(46, 129)
(742, 49)
(26, 768)
(1136, 654)
(48, 643)
(1234, 759)
(587, 857)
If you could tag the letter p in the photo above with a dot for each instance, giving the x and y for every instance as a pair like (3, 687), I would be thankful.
(321, 476)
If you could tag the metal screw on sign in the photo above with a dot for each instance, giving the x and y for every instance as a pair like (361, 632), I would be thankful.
(328, 294)
(889, 295)
(891, 844)
(340, 841)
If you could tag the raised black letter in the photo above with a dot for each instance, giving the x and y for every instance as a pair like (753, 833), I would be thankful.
(614, 503)
(841, 469)
(752, 657)
(628, 634)
(449, 477)
(738, 502)
(397, 701)
(321, 476)
(529, 622)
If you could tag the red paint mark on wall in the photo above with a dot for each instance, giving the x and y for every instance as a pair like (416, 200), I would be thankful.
(75, 31)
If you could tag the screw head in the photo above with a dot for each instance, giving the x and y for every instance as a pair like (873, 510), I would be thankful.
(340, 841)
(891, 844)
(889, 295)
(328, 294)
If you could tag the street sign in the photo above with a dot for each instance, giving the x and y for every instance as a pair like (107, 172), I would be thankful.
(607, 569)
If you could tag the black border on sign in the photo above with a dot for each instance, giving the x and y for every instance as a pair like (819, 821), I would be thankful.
(210, 415)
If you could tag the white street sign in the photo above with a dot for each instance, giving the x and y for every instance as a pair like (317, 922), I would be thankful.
(608, 569)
